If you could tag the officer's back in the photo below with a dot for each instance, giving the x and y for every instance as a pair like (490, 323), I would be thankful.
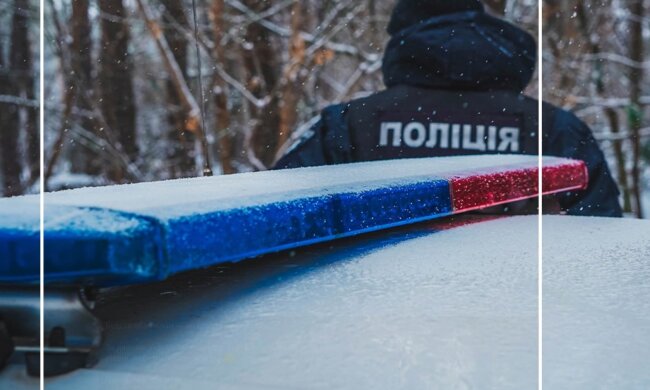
(454, 78)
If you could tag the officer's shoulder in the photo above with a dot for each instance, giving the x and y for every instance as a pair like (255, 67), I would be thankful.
(565, 121)
(338, 109)
(331, 119)
(386, 97)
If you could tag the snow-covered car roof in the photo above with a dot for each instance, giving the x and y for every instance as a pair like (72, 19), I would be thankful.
(596, 298)
(430, 306)
(412, 308)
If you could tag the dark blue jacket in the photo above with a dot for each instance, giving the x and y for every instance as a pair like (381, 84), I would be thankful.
(458, 71)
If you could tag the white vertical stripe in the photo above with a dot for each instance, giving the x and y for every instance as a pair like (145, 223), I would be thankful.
(41, 99)
(540, 263)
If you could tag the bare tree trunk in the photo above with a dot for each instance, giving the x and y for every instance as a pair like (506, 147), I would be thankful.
(553, 20)
(23, 64)
(69, 96)
(16, 79)
(83, 159)
(291, 88)
(180, 84)
(9, 155)
(261, 63)
(636, 116)
(9, 132)
(68, 100)
(619, 155)
(374, 29)
(181, 155)
(220, 90)
(610, 113)
(115, 83)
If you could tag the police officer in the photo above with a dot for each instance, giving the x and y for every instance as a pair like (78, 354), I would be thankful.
(454, 78)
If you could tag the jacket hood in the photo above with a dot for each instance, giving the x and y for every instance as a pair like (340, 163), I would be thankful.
(408, 13)
(467, 51)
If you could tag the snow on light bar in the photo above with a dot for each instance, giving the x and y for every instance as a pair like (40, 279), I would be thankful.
(147, 232)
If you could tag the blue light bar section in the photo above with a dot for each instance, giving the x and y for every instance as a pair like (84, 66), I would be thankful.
(103, 247)
(19, 240)
(93, 246)
(19, 255)
(238, 234)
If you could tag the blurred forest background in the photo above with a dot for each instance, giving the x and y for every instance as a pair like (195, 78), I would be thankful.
(123, 102)
(123, 98)
(596, 64)
(19, 115)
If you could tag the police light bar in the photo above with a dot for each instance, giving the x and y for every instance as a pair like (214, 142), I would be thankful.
(146, 232)
(19, 239)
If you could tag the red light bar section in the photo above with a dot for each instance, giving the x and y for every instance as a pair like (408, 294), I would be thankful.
(568, 176)
(485, 189)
